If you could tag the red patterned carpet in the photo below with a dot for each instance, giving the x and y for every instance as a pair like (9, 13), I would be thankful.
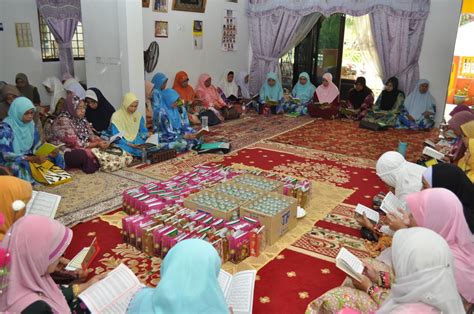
(345, 137)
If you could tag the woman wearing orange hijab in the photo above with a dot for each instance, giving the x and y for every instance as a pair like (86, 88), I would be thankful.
(186, 93)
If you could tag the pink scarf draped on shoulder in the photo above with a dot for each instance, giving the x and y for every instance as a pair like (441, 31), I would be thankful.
(35, 243)
(208, 95)
(327, 94)
(440, 210)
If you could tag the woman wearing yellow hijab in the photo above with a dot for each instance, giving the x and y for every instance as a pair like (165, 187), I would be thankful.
(467, 162)
(12, 189)
(131, 124)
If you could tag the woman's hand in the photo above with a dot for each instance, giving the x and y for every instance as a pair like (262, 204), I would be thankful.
(364, 221)
(36, 159)
(189, 136)
(364, 283)
(54, 154)
(395, 222)
(104, 145)
(93, 280)
(410, 117)
(370, 272)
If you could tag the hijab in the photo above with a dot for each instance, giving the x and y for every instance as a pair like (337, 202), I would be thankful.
(71, 85)
(304, 92)
(55, 85)
(274, 92)
(357, 98)
(208, 95)
(451, 177)
(185, 93)
(228, 88)
(81, 125)
(13, 189)
(424, 274)
(35, 243)
(126, 122)
(459, 119)
(388, 99)
(100, 117)
(400, 174)
(417, 103)
(189, 282)
(170, 96)
(459, 108)
(327, 94)
(158, 80)
(7, 90)
(23, 133)
(440, 210)
(244, 87)
(28, 90)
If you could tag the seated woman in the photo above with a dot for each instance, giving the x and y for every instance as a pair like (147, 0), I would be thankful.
(188, 282)
(228, 87)
(360, 101)
(424, 281)
(72, 129)
(388, 105)
(186, 93)
(455, 123)
(159, 82)
(271, 95)
(325, 103)
(419, 109)
(242, 81)
(175, 131)
(36, 245)
(72, 87)
(466, 163)
(99, 110)
(26, 89)
(132, 125)
(451, 177)
(303, 92)
(8, 93)
(210, 97)
(19, 138)
(54, 87)
(148, 102)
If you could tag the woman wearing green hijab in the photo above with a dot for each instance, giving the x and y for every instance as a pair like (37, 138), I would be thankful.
(271, 94)
(188, 283)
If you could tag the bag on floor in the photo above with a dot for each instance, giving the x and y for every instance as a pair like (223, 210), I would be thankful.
(112, 159)
(213, 148)
(374, 126)
(230, 113)
(212, 118)
(48, 173)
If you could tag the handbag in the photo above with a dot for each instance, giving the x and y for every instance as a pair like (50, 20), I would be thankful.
(212, 118)
(374, 126)
(112, 159)
(212, 148)
(48, 173)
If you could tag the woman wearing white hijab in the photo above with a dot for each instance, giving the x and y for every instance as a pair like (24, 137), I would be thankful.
(424, 274)
(228, 86)
(418, 110)
(243, 83)
(54, 86)
(72, 86)
(403, 176)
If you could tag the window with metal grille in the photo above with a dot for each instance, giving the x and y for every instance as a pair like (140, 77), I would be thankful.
(49, 46)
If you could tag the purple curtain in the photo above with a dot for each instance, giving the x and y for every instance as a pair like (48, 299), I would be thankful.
(62, 17)
(398, 39)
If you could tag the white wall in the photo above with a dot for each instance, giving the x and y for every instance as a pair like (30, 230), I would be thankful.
(438, 48)
(176, 51)
(27, 60)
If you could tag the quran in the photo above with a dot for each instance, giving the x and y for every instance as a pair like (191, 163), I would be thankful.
(349, 263)
(369, 213)
(238, 290)
(43, 204)
(84, 258)
(391, 205)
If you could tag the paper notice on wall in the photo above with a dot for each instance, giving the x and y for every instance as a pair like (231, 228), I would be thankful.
(197, 34)
(229, 31)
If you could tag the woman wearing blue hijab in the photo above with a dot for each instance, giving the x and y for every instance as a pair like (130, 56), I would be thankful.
(159, 82)
(175, 131)
(188, 283)
(419, 109)
(19, 138)
(302, 93)
(271, 94)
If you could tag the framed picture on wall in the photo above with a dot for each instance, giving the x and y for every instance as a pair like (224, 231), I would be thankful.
(145, 3)
(160, 6)
(161, 29)
(190, 5)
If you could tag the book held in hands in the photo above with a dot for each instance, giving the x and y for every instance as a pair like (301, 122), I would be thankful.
(43, 204)
(349, 263)
(369, 213)
(392, 205)
(238, 290)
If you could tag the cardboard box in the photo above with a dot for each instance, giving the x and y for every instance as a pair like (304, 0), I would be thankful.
(276, 225)
(227, 215)
(278, 186)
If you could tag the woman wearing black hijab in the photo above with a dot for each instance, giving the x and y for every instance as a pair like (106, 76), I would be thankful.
(388, 105)
(360, 101)
(451, 177)
(99, 110)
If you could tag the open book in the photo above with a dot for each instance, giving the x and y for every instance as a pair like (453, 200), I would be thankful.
(85, 257)
(433, 153)
(115, 137)
(349, 263)
(391, 205)
(369, 213)
(43, 204)
(202, 131)
(238, 290)
(113, 293)
(46, 149)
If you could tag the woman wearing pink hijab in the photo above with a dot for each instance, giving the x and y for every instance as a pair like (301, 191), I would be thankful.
(440, 210)
(149, 107)
(326, 100)
(36, 244)
(209, 96)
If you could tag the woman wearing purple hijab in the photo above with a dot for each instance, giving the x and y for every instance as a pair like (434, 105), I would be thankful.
(455, 124)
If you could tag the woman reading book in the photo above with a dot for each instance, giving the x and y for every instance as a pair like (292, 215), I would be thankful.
(36, 245)
(359, 102)
(19, 138)
(271, 96)
(13, 189)
(302, 94)
(326, 100)
(188, 282)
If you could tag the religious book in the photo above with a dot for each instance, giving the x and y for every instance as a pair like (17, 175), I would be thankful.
(202, 131)
(238, 290)
(349, 263)
(296, 100)
(152, 139)
(84, 258)
(46, 148)
(43, 204)
(115, 137)
(430, 143)
(391, 205)
(433, 153)
(369, 212)
(113, 293)
(270, 102)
